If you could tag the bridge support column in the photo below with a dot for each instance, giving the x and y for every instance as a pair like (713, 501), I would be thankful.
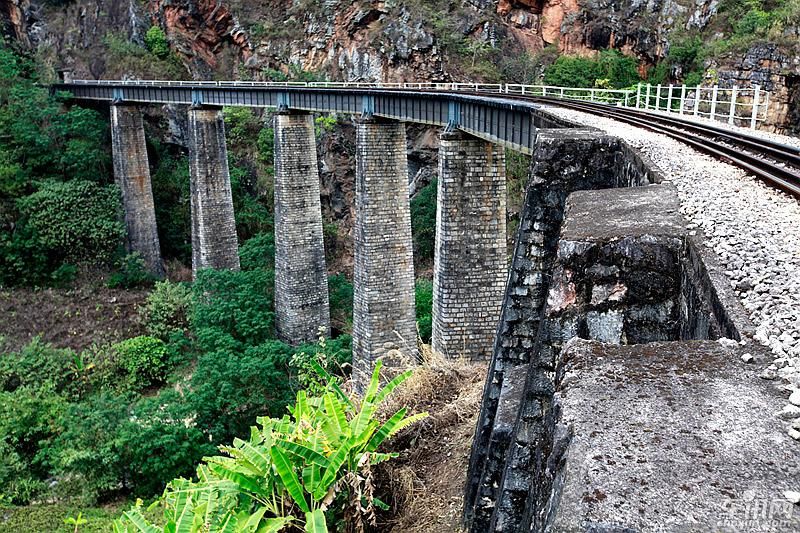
(132, 174)
(471, 262)
(214, 242)
(301, 276)
(384, 320)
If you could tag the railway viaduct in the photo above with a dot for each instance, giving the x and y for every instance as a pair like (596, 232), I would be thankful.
(470, 259)
(571, 434)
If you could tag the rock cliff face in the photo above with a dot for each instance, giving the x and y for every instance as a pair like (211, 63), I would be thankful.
(391, 40)
(348, 39)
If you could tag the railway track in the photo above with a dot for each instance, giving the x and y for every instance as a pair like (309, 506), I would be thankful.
(776, 163)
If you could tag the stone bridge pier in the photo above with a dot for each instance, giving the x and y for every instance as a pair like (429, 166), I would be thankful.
(132, 174)
(470, 262)
(302, 312)
(384, 316)
(214, 241)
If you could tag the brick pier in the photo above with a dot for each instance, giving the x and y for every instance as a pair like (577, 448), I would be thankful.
(470, 265)
(301, 276)
(383, 308)
(132, 174)
(214, 241)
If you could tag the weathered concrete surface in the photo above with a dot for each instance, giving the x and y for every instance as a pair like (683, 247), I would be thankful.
(617, 275)
(564, 160)
(132, 174)
(302, 312)
(384, 317)
(672, 437)
(470, 264)
(214, 241)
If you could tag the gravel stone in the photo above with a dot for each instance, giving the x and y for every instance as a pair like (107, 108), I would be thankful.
(794, 399)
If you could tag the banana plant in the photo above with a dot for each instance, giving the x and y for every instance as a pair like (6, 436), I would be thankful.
(290, 470)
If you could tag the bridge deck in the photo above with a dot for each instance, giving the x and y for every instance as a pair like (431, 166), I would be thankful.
(502, 120)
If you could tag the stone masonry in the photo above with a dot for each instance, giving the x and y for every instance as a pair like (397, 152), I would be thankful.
(301, 277)
(470, 265)
(564, 160)
(384, 318)
(132, 174)
(214, 241)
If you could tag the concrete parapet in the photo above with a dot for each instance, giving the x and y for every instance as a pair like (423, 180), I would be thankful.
(301, 278)
(132, 174)
(564, 160)
(384, 321)
(470, 263)
(214, 241)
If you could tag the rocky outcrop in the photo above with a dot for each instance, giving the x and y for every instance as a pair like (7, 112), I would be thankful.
(203, 32)
(774, 70)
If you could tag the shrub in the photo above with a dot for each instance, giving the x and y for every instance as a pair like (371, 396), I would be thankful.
(156, 42)
(334, 356)
(340, 296)
(38, 364)
(423, 295)
(423, 222)
(290, 470)
(568, 71)
(132, 273)
(230, 386)
(258, 252)
(29, 420)
(78, 220)
(238, 304)
(17, 486)
(166, 309)
(144, 359)
(87, 452)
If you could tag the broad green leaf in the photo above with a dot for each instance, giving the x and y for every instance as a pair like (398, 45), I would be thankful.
(315, 522)
(245, 483)
(335, 412)
(255, 456)
(253, 521)
(376, 458)
(380, 504)
(289, 477)
(372, 388)
(392, 385)
(386, 430)
(336, 462)
(304, 452)
(139, 522)
(185, 515)
(273, 525)
(311, 477)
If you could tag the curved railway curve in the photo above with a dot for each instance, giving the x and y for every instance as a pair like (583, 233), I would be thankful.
(776, 163)
(495, 112)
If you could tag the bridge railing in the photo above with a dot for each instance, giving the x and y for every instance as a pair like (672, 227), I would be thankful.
(740, 106)
(734, 105)
(606, 96)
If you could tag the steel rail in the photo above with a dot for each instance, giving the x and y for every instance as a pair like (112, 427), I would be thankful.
(785, 179)
(780, 151)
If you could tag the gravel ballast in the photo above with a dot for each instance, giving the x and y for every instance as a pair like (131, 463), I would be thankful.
(753, 228)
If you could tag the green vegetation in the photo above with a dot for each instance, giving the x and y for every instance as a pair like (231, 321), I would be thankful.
(611, 69)
(57, 203)
(306, 469)
(423, 296)
(156, 41)
(423, 222)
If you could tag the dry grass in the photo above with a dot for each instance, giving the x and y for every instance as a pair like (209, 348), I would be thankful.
(426, 483)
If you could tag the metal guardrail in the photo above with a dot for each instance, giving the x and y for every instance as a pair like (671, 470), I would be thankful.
(734, 105)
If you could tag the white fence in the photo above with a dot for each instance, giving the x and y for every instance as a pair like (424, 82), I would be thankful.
(744, 107)
(732, 105)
